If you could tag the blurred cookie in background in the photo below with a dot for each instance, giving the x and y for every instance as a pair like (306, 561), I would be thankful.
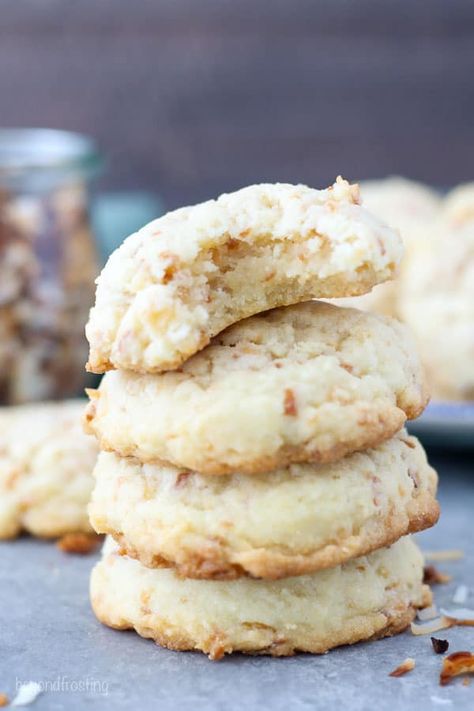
(411, 208)
(436, 300)
(46, 464)
(404, 204)
(458, 206)
(434, 292)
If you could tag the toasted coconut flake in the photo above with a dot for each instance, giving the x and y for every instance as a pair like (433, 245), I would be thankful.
(454, 554)
(439, 623)
(456, 664)
(79, 543)
(460, 595)
(289, 403)
(407, 666)
(427, 613)
(433, 576)
(448, 618)
(440, 646)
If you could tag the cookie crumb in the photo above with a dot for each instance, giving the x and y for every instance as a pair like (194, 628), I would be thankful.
(216, 649)
(78, 543)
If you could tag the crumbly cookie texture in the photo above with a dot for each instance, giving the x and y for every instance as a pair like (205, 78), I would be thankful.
(283, 523)
(185, 277)
(370, 597)
(437, 303)
(410, 207)
(305, 382)
(46, 464)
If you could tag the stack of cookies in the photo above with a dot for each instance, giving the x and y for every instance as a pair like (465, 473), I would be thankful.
(255, 479)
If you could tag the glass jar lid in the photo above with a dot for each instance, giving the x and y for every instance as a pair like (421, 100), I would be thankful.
(42, 154)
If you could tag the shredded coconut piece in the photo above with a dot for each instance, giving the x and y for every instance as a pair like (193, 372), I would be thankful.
(440, 623)
(460, 595)
(448, 618)
(461, 615)
(27, 693)
(427, 613)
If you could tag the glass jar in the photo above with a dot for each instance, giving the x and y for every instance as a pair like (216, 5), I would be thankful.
(48, 262)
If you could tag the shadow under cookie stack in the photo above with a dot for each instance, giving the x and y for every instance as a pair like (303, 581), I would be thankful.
(255, 479)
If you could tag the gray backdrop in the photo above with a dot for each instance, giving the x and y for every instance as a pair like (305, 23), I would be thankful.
(191, 97)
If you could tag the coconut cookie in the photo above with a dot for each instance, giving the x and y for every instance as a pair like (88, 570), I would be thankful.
(306, 382)
(458, 206)
(283, 523)
(187, 276)
(410, 207)
(437, 303)
(437, 298)
(46, 464)
(370, 597)
(404, 204)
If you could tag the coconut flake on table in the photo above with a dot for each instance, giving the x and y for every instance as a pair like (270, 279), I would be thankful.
(460, 595)
(27, 693)
(439, 623)
(461, 614)
(449, 618)
(456, 664)
(406, 666)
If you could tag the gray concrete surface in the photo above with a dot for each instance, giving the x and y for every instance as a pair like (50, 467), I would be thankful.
(48, 634)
